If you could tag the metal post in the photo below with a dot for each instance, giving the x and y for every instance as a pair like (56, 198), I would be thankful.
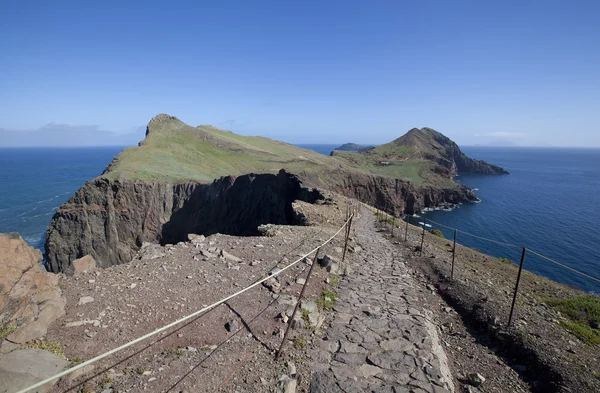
(347, 238)
(422, 239)
(287, 330)
(453, 256)
(512, 307)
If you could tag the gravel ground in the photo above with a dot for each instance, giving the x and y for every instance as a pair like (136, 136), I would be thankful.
(112, 306)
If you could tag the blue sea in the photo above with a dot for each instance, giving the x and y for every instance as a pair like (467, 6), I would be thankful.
(549, 203)
(34, 182)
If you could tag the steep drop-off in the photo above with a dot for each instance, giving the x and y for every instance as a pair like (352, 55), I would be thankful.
(165, 189)
(111, 219)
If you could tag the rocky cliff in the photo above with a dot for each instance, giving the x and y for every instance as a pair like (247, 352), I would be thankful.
(164, 189)
(111, 219)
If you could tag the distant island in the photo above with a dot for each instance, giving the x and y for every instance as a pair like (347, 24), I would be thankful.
(353, 147)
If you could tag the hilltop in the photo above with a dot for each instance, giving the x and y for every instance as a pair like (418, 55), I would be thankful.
(424, 156)
(176, 152)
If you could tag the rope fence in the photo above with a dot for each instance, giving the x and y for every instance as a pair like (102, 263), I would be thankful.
(384, 216)
(347, 225)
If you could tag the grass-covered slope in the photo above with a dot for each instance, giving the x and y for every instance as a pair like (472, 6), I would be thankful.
(423, 156)
(176, 152)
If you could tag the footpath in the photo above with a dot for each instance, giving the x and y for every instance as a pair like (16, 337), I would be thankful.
(381, 339)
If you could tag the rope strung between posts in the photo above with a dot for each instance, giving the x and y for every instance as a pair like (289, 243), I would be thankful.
(183, 319)
(475, 236)
(520, 247)
(563, 265)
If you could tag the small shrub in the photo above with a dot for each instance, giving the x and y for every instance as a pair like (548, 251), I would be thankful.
(86, 388)
(505, 260)
(437, 232)
(327, 299)
(305, 318)
(104, 381)
(7, 330)
(299, 343)
(52, 347)
(75, 361)
(582, 313)
(334, 281)
(140, 370)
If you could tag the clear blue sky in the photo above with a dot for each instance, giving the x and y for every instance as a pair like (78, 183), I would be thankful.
(308, 71)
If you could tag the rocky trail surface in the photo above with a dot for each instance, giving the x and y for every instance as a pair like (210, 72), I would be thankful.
(381, 338)
(392, 332)
(372, 325)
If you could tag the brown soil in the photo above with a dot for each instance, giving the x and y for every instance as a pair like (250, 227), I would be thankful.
(201, 355)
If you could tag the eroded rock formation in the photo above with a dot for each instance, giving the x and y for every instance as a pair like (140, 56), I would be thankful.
(30, 298)
(110, 220)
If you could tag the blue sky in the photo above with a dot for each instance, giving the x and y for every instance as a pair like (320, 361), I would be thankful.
(305, 72)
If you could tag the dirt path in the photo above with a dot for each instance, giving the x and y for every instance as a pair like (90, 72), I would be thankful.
(381, 338)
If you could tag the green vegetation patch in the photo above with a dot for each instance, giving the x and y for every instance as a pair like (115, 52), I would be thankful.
(437, 232)
(327, 299)
(505, 260)
(299, 343)
(7, 330)
(583, 316)
(54, 348)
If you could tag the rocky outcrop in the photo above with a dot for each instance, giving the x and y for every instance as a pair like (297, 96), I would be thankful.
(447, 154)
(400, 197)
(111, 219)
(30, 298)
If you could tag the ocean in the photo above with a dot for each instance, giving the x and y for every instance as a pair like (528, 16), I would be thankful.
(549, 202)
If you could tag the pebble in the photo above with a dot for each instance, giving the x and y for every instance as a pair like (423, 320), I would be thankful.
(85, 300)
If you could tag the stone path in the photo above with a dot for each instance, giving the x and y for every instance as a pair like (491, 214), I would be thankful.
(381, 339)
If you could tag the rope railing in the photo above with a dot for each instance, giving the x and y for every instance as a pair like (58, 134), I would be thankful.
(183, 319)
(583, 274)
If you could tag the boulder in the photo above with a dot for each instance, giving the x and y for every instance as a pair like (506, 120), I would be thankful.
(194, 238)
(30, 297)
(21, 369)
(84, 265)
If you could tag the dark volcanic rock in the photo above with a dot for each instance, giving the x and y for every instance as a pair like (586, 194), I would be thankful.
(110, 220)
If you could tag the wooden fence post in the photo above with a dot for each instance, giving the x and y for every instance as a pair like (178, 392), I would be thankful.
(422, 238)
(287, 330)
(347, 238)
(512, 307)
(453, 256)
(406, 231)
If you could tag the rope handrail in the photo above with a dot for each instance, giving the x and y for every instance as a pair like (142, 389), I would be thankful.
(512, 246)
(564, 266)
(180, 320)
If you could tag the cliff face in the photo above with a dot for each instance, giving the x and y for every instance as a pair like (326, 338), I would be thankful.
(400, 197)
(110, 219)
(163, 190)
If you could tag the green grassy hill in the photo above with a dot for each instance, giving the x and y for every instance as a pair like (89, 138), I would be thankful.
(423, 156)
(176, 152)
